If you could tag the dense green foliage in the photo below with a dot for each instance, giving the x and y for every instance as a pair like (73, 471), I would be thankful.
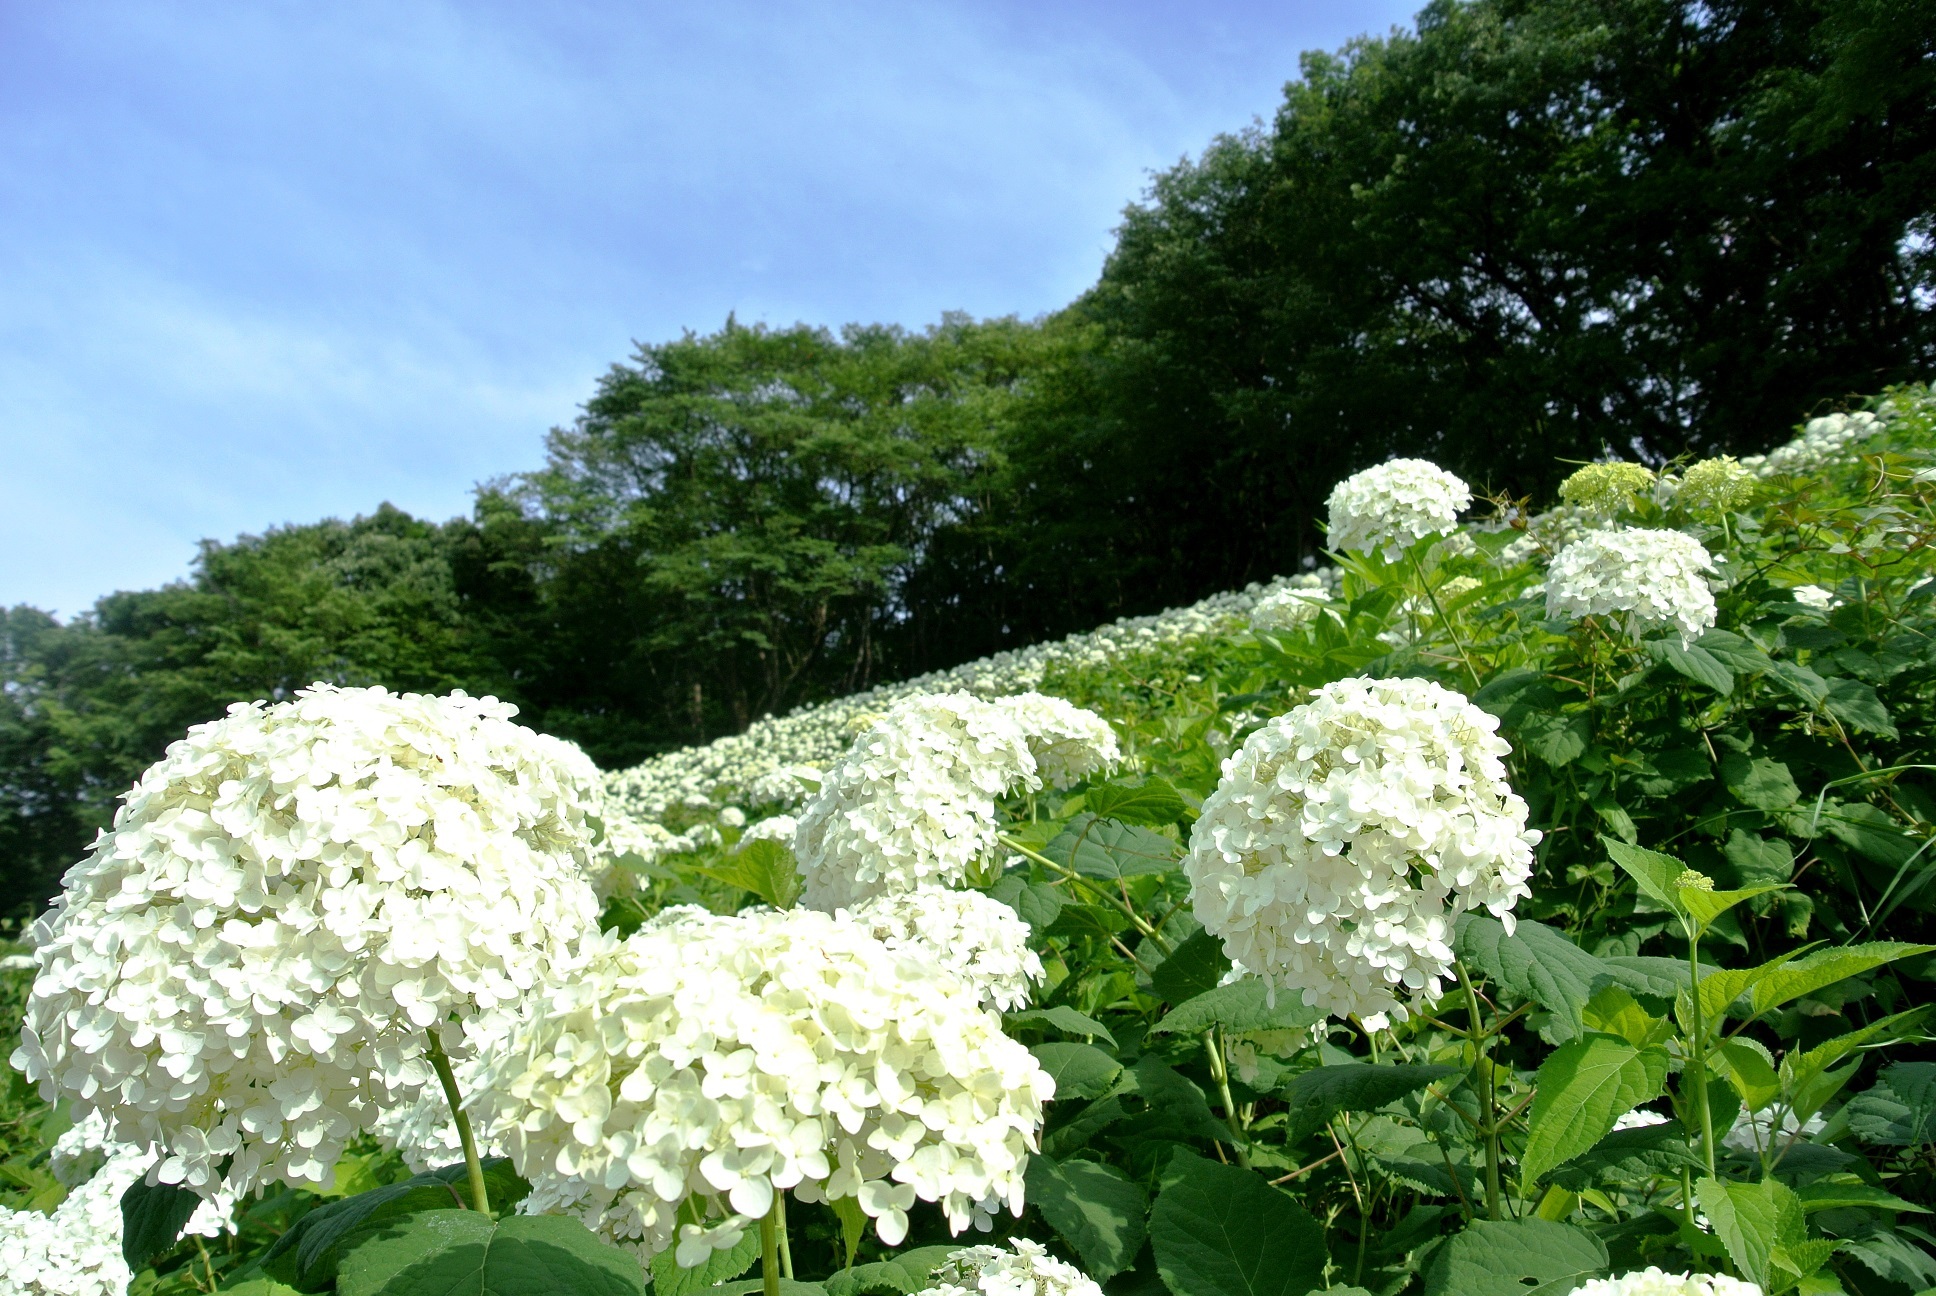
(1528, 228)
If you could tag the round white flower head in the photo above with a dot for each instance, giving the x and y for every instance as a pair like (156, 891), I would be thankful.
(85, 1150)
(1606, 488)
(246, 967)
(1716, 486)
(713, 1061)
(75, 1250)
(779, 828)
(973, 935)
(1656, 1282)
(912, 803)
(1347, 836)
(1393, 505)
(1814, 597)
(1026, 1270)
(1286, 611)
(1654, 579)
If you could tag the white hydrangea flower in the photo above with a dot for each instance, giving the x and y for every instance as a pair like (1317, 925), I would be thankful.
(1393, 505)
(85, 1150)
(1652, 579)
(1814, 596)
(778, 760)
(1639, 1118)
(76, 1250)
(1347, 836)
(779, 828)
(1025, 1270)
(1823, 441)
(973, 935)
(1752, 1131)
(245, 967)
(717, 1060)
(1657, 1282)
(912, 803)
(1286, 611)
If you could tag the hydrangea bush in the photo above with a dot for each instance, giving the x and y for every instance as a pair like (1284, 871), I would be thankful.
(1542, 901)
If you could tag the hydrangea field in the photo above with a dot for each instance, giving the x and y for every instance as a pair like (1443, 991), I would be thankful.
(1534, 898)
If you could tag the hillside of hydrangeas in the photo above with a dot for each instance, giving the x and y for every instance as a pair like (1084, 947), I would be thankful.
(1534, 896)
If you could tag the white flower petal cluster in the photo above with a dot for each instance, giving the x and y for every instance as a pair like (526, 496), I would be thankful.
(245, 967)
(85, 1149)
(1650, 579)
(1753, 1131)
(1823, 441)
(912, 803)
(972, 935)
(1814, 596)
(1639, 1118)
(779, 828)
(1656, 1282)
(76, 1250)
(1393, 505)
(1026, 1269)
(1347, 836)
(1287, 611)
(722, 1059)
(777, 760)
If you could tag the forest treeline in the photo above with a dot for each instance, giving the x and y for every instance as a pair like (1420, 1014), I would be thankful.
(1525, 230)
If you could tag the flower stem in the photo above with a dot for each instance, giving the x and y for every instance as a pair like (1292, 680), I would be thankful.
(1481, 1042)
(770, 1249)
(786, 1247)
(1220, 1072)
(1697, 1054)
(480, 1196)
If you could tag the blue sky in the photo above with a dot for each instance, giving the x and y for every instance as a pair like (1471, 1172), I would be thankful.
(277, 261)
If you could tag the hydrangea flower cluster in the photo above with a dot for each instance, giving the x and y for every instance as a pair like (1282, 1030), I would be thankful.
(1347, 835)
(723, 1059)
(1606, 488)
(1822, 441)
(970, 934)
(1758, 1132)
(1657, 1282)
(1814, 597)
(912, 803)
(1287, 611)
(1716, 486)
(76, 1250)
(1393, 505)
(1025, 1270)
(244, 969)
(1651, 579)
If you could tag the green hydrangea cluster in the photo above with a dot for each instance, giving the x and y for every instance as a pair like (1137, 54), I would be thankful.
(1606, 488)
(1716, 486)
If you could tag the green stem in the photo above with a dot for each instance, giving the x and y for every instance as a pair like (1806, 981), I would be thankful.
(480, 1196)
(1148, 932)
(1431, 596)
(1220, 1072)
(786, 1245)
(770, 1249)
(1697, 1054)
(1481, 1043)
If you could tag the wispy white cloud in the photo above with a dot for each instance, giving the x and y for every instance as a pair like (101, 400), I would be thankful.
(269, 262)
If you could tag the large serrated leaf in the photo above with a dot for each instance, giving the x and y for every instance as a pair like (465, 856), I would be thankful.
(1629, 1156)
(766, 868)
(1096, 1208)
(1693, 661)
(1195, 967)
(1240, 1006)
(1063, 1018)
(903, 1272)
(1152, 803)
(152, 1219)
(1036, 903)
(1899, 1110)
(1103, 848)
(1751, 1219)
(1523, 1257)
(668, 1279)
(1857, 705)
(453, 1252)
(1079, 1070)
(1584, 1086)
(1313, 1098)
(1534, 963)
(1217, 1230)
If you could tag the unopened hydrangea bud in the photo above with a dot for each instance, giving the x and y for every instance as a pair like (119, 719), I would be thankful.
(1395, 505)
(1716, 486)
(1606, 488)
(1347, 836)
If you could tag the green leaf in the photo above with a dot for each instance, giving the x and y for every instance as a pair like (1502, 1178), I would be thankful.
(1868, 831)
(1762, 783)
(1535, 963)
(1314, 1097)
(1219, 1230)
(1154, 802)
(1750, 1220)
(1856, 705)
(1705, 905)
(1079, 1070)
(1656, 874)
(1739, 655)
(905, 1272)
(1693, 661)
(152, 1219)
(668, 1279)
(1808, 1077)
(1584, 1086)
(1899, 1110)
(309, 1251)
(1103, 848)
(1834, 1196)
(1630, 1155)
(853, 1227)
(1523, 1257)
(1096, 1208)
(1750, 1071)
(1800, 682)
(1036, 903)
(1240, 1006)
(1613, 1011)
(1175, 1106)
(1063, 1018)
(1194, 967)
(464, 1253)
(1659, 978)
(1758, 861)
(1824, 968)
(764, 867)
